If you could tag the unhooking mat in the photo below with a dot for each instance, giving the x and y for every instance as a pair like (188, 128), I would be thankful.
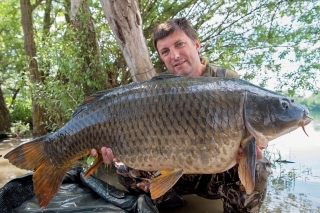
(76, 194)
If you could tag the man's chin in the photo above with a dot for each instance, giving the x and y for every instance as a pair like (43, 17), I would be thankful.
(182, 71)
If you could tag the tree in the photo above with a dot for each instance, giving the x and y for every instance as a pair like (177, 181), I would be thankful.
(126, 24)
(264, 40)
(257, 38)
(81, 53)
(5, 121)
(82, 23)
(38, 118)
(11, 60)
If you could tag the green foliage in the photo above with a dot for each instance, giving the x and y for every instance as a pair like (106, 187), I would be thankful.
(256, 42)
(20, 129)
(12, 59)
(63, 59)
(11, 43)
(21, 111)
(262, 40)
(63, 85)
(313, 102)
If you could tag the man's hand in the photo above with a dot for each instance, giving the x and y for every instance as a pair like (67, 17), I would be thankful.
(144, 185)
(107, 155)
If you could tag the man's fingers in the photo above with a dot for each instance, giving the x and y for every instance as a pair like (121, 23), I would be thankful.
(239, 155)
(93, 152)
(107, 158)
(107, 155)
(144, 185)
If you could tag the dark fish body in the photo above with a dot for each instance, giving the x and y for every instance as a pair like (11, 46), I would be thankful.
(177, 126)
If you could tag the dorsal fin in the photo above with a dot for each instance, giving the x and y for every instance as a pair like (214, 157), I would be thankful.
(166, 75)
(90, 99)
(95, 96)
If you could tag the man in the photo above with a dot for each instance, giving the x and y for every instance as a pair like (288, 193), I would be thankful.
(178, 47)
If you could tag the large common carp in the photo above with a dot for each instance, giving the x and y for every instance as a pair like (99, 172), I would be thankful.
(177, 126)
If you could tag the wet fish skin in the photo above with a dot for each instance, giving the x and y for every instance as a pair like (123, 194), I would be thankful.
(178, 126)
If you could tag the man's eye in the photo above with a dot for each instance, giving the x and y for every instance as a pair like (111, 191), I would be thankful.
(165, 52)
(180, 44)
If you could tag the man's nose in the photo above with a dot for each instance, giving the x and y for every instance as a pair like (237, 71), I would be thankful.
(174, 54)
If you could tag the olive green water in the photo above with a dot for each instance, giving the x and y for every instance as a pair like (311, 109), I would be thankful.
(293, 187)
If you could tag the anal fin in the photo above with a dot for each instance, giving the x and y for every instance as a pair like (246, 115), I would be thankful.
(161, 184)
(247, 165)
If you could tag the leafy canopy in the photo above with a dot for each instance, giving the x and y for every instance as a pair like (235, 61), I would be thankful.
(267, 41)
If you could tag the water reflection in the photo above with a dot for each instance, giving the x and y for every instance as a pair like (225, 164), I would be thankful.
(295, 187)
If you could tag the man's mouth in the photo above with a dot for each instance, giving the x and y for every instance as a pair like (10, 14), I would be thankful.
(178, 63)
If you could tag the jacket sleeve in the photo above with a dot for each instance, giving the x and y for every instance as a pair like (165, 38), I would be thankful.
(231, 74)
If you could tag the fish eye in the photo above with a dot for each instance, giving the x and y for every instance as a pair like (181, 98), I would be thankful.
(285, 104)
(292, 100)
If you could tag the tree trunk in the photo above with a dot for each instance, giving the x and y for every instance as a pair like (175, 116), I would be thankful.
(38, 118)
(82, 22)
(125, 21)
(5, 120)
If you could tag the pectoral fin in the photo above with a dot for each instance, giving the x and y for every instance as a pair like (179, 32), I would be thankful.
(161, 184)
(247, 165)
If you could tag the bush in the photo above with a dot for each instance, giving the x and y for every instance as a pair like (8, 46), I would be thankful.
(21, 111)
(20, 129)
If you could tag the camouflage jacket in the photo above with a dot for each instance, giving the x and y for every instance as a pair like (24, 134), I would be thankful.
(216, 71)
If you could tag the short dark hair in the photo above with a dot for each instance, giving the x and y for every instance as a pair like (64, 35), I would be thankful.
(170, 26)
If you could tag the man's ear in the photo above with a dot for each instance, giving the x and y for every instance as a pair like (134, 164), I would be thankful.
(197, 43)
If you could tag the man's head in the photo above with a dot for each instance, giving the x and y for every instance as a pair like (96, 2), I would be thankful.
(178, 45)
(172, 25)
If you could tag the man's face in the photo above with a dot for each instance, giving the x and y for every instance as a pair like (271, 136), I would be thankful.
(180, 54)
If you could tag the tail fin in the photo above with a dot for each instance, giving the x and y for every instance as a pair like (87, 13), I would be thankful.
(29, 155)
(47, 177)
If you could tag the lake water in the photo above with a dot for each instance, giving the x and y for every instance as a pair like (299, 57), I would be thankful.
(293, 187)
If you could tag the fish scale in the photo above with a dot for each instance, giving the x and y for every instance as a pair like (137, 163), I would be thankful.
(177, 126)
(189, 115)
